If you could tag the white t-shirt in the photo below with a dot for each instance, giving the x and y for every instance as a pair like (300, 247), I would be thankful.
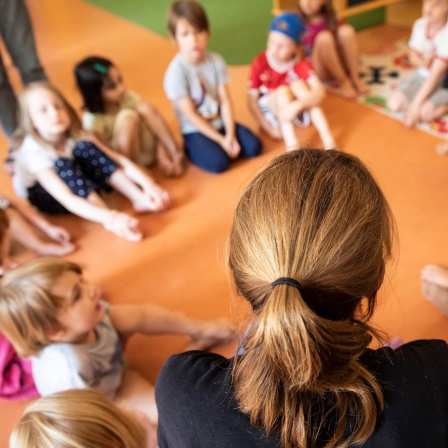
(200, 82)
(33, 157)
(65, 366)
(429, 46)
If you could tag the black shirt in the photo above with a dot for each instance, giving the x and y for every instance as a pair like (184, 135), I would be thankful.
(197, 408)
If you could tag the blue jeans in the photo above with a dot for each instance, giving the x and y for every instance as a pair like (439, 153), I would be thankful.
(208, 155)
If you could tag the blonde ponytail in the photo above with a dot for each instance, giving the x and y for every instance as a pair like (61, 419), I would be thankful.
(320, 219)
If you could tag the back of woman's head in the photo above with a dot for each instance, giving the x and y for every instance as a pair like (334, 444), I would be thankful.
(28, 309)
(77, 419)
(91, 74)
(317, 217)
(26, 126)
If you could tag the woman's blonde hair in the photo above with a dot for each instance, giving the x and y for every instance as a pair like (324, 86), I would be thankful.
(28, 310)
(320, 218)
(25, 125)
(77, 419)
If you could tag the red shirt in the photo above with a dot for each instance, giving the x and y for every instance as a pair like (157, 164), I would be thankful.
(265, 78)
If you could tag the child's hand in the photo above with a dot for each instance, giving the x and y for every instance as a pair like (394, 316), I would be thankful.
(231, 146)
(211, 333)
(158, 198)
(412, 116)
(124, 226)
(58, 234)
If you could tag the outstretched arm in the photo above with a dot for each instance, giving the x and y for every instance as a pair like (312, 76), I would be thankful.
(153, 319)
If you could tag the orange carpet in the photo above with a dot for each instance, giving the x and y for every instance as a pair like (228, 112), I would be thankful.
(180, 264)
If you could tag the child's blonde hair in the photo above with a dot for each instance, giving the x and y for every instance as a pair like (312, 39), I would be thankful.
(28, 311)
(319, 218)
(25, 125)
(77, 419)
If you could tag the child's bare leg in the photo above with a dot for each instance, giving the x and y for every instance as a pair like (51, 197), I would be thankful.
(279, 100)
(321, 123)
(158, 126)
(328, 65)
(348, 45)
(26, 235)
(397, 102)
(140, 201)
(137, 394)
(430, 112)
(126, 135)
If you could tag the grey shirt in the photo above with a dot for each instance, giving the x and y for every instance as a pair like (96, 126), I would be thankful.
(200, 82)
(65, 366)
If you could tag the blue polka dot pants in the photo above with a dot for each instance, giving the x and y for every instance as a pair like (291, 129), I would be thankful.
(89, 170)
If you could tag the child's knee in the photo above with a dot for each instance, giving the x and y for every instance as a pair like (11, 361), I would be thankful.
(325, 38)
(126, 123)
(283, 95)
(299, 87)
(427, 111)
(397, 102)
(346, 32)
(147, 109)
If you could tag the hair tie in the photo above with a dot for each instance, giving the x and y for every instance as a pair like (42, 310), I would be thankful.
(100, 68)
(287, 281)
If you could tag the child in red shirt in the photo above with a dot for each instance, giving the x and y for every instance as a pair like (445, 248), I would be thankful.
(284, 91)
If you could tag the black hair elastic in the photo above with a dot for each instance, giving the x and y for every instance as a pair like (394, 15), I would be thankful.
(287, 281)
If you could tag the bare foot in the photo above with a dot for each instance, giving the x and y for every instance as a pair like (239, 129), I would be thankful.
(155, 200)
(214, 332)
(124, 226)
(347, 90)
(360, 87)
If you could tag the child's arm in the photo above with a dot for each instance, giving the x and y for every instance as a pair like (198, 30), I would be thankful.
(418, 60)
(187, 108)
(308, 94)
(436, 71)
(252, 102)
(52, 183)
(133, 172)
(231, 146)
(152, 319)
(34, 217)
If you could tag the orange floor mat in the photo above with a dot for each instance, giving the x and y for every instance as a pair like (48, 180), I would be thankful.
(180, 264)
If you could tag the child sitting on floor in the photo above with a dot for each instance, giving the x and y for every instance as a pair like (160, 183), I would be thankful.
(283, 88)
(423, 96)
(18, 222)
(78, 418)
(59, 168)
(196, 82)
(124, 122)
(52, 314)
(331, 46)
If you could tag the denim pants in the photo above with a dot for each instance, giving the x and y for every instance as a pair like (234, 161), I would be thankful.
(208, 155)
